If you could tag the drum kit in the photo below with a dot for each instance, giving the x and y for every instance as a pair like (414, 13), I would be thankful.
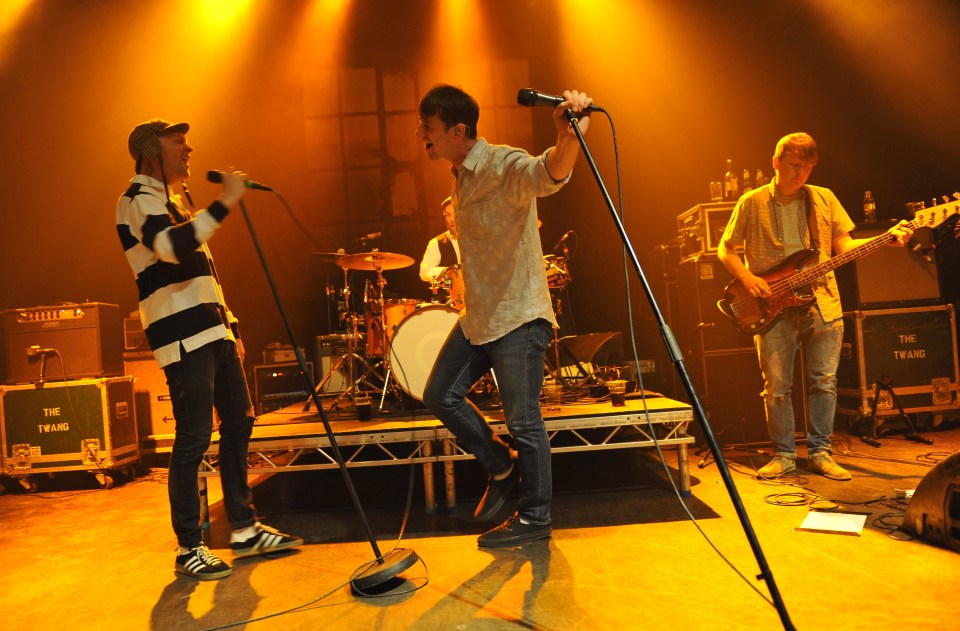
(400, 337)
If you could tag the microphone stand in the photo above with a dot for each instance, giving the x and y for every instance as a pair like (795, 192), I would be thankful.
(385, 567)
(677, 358)
(43, 370)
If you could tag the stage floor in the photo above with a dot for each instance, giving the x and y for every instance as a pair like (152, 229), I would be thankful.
(624, 555)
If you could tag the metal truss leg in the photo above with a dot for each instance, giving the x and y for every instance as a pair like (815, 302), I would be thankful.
(429, 493)
(449, 480)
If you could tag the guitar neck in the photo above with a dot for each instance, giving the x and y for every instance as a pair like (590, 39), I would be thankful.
(809, 274)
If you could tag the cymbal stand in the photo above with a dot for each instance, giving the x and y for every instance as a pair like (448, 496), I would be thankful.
(382, 325)
(350, 319)
(387, 342)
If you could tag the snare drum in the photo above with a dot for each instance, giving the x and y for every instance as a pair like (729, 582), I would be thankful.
(416, 345)
(557, 275)
(396, 309)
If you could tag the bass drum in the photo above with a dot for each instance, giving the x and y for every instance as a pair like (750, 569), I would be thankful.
(416, 345)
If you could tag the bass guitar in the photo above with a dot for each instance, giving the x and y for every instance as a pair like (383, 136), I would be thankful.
(790, 280)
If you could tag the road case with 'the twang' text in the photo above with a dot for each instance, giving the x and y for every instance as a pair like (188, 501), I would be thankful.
(913, 349)
(83, 425)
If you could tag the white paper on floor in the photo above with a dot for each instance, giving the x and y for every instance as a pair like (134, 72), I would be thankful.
(834, 522)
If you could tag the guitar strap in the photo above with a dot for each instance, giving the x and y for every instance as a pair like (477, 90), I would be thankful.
(811, 220)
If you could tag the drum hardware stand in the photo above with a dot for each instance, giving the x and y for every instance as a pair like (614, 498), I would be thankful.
(387, 339)
(676, 356)
(381, 324)
(557, 372)
(384, 567)
(349, 318)
(885, 383)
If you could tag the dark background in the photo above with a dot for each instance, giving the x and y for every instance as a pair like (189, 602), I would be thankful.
(274, 87)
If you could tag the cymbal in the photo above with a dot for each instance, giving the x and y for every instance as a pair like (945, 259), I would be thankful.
(328, 257)
(374, 261)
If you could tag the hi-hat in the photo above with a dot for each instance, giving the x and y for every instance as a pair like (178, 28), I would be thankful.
(374, 261)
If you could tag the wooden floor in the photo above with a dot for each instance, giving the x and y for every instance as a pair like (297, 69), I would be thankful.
(624, 555)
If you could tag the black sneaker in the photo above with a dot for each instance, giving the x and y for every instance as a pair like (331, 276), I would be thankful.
(513, 532)
(202, 564)
(266, 540)
(496, 493)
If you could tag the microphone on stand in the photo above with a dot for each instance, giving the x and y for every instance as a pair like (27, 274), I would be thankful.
(368, 237)
(217, 178)
(562, 243)
(35, 352)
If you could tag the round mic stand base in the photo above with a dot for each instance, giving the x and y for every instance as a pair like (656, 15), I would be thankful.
(383, 569)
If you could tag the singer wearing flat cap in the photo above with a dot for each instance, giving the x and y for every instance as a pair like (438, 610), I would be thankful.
(194, 338)
(508, 317)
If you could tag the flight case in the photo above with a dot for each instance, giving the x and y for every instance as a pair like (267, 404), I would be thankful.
(83, 425)
(914, 349)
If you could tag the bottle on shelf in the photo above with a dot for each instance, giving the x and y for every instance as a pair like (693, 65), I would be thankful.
(869, 207)
(731, 187)
(760, 180)
(747, 186)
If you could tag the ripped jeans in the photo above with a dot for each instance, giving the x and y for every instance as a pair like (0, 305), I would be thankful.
(207, 378)
(777, 348)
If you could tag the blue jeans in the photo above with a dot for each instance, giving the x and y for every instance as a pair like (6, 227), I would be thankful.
(210, 376)
(777, 348)
(517, 360)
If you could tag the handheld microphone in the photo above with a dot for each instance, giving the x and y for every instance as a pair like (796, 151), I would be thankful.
(530, 97)
(217, 177)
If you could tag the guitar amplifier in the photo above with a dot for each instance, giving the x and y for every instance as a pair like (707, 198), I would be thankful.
(89, 337)
(278, 385)
(890, 277)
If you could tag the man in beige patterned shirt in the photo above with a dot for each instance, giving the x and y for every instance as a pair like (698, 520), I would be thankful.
(507, 319)
(773, 222)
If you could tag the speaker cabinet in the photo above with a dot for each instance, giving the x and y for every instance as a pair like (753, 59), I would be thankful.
(730, 385)
(890, 277)
(934, 510)
(88, 336)
(697, 323)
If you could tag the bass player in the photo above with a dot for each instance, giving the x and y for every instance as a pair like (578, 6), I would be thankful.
(772, 222)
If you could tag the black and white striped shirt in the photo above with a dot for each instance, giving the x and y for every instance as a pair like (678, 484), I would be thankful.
(181, 302)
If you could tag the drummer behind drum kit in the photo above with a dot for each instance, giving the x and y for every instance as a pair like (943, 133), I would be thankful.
(401, 336)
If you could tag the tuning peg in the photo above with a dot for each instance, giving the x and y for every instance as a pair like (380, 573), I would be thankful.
(956, 195)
